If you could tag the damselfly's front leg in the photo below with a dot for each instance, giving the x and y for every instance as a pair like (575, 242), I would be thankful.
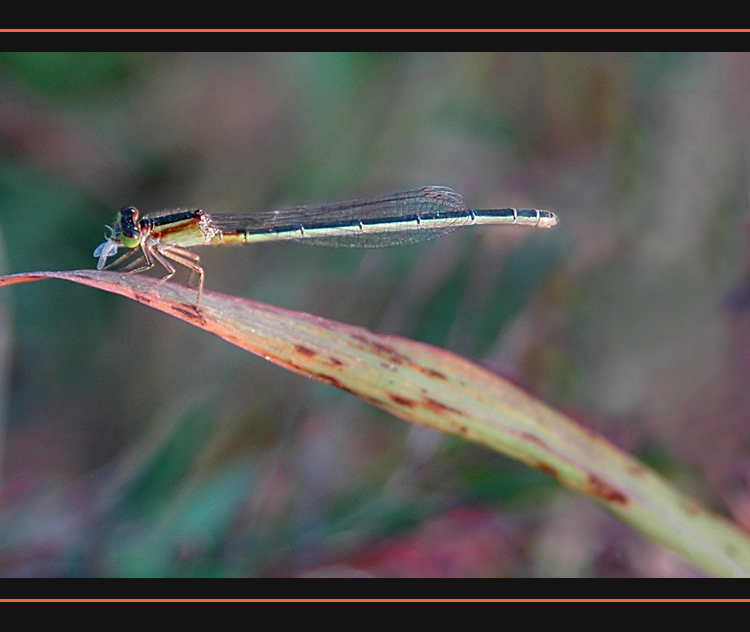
(128, 255)
(147, 250)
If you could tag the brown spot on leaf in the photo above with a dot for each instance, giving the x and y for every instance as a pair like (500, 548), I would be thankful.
(393, 356)
(335, 361)
(547, 469)
(382, 350)
(433, 373)
(304, 350)
(439, 407)
(402, 401)
(464, 430)
(188, 311)
(532, 438)
(329, 379)
(604, 490)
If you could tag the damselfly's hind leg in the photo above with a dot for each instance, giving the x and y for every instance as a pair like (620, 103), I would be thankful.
(183, 257)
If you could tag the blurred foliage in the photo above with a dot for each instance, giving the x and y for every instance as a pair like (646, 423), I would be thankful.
(136, 445)
(72, 76)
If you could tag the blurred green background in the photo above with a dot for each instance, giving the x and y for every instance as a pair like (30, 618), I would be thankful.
(136, 445)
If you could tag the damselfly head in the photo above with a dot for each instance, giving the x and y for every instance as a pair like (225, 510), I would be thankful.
(128, 231)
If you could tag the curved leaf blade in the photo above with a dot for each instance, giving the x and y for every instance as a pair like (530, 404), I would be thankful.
(429, 386)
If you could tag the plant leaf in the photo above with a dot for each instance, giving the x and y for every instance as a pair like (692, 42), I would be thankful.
(435, 388)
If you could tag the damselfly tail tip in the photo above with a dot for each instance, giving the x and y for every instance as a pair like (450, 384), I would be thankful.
(547, 219)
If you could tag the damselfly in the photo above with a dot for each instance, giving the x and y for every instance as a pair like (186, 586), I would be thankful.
(399, 218)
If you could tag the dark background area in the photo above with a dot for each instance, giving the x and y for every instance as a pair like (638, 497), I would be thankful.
(136, 445)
